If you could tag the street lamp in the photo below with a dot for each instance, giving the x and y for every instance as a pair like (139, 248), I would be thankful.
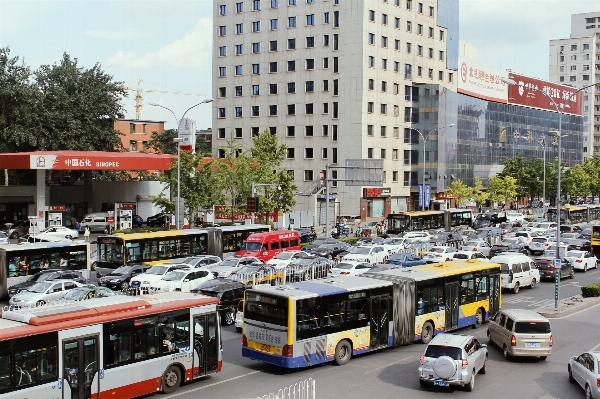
(543, 144)
(560, 109)
(178, 140)
(424, 145)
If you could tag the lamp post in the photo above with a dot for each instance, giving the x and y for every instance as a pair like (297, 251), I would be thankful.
(425, 138)
(543, 144)
(178, 140)
(560, 109)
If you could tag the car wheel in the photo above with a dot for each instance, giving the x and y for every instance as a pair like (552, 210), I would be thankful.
(478, 318)
(572, 274)
(124, 286)
(228, 318)
(171, 379)
(343, 352)
(427, 333)
(40, 303)
(489, 337)
(588, 392)
(471, 384)
(505, 352)
(571, 379)
(532, 285)
(423, 383)
(584, 268)
(543, 357)
(516, 288)
(14, 235)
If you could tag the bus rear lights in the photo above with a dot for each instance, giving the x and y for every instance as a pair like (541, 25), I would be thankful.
(244, 340)
(288, 350)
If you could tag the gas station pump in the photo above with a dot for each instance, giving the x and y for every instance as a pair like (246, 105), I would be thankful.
(34, 229)
(125, 218)
(55, 219)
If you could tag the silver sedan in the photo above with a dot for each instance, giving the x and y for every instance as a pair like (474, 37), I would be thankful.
(584, 370)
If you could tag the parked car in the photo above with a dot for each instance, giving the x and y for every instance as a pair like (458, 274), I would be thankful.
(452, 360)
(582, 260)
(498, 249)
(476, 246)
(317, 242)
(144, 281)
(395, 244)
(3, 238)
(329, 250)
(349, 268)
(439, 254)
(305, 235)
(119, 279)
(46, 276)
(228, 292)
(232, 265)
(569, 228)
(404, 259)
(18, 229)
(41, 293)
(577, 244)
(371, 254)
(59, 232)
(420, 235)
(159, 220)
(183, 280)
(585, 371)
(137, 221)
(547, 268)
(464, 255)
(517, 271)
(88, 292)
(283, 259)
(239, 316)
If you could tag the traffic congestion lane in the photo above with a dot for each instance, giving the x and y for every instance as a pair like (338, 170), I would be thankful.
(392, 373)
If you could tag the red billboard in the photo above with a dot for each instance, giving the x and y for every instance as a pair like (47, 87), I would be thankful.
(530, 93)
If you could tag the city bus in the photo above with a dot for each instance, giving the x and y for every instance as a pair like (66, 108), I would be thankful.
(118, 347)
(160, 246)
(427, 220)
(311, 322)
(595, 241)
(575, 214)
(19, 261)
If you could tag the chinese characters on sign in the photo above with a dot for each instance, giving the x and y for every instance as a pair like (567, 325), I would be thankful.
(532, 92)
(482, 81)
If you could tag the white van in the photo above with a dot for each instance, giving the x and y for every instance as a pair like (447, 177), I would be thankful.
(95, 221)
(518, 271)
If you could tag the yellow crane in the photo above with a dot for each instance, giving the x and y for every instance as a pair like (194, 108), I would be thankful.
(138, 96)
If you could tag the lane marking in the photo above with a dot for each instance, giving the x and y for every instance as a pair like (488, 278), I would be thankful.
(387, 365)
(212, 385)
(594, 348)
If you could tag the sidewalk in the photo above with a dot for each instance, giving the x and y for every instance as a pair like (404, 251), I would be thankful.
(568, 306)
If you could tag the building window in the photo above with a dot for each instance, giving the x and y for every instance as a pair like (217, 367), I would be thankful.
(238, 132)
(255, 90)
(310, 42)
(334, 130)
(407, 71)
(291, 87)
(222, 71)
(310, 19)
(255, 110)
(371, 15)
(274, 3)
(308, 153)
(396, 44)
(585, 77)
(238, 91)
(325, 130)
(273, 88)
(256, 5)
(419, 71)
(308, 175)
(369, 130)
(336, 19)
(326, 18)
(239, 49)
(441, 56)
(573, 47)
(239, 29)
(430, 32)
(255, 69)
(254, 131)
(222, 92)
(325, 108)
(383, 131)
(310, 64)
(325, 40)
(222, 31)
(239, 7)
(397, 23)
(292, 2)
(430, 74)
(291, 131)
(238, 112)
(291, 66)
(221, 132)
(371, 61)
(382, 153)
(383, 109)
(431, 11)
(274, 24)
(573, 78)
(420, 8)
(223, 51)
(336, 65)
(326, 85)
(308, 131)
(273, 67)
(384, 19)
(408, 26)
(326, 63)
(441, 76)
(336, 42)
(396, 66)
(384, 64)
(442, 35)
(419, 29)
(272, 110)
(370, 107)
(255, 48)
(409, 4)
(370, 84)
(238, 70)
(394, 154)
(335, 110)
(221, 112)
(256, 26)
(586, 46)
(291, 22)
(420, 51)
(408, 47)
(290, 153)
(221, 153)
(450, 77)
(310, 86)
(309, 109)
(430, 52)
(324, 153)
(132, 145)
(335, 87)
(273, 45)
(369, 153)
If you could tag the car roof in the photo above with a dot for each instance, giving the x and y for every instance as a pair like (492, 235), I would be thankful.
(523, 314)
(454, 340)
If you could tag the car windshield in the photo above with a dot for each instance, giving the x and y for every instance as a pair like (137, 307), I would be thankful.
(253, 246)
(230, 262)
(344, 266)
(121, 271)
(532, 327)
(77, 294)
(437, 351)
(40, 287)
(362, 251)
(575, 254)
(39, 277)
(157, 270)
(284, 255)
(545, 262)
(174, 276)
(461, 256)
(437, 250)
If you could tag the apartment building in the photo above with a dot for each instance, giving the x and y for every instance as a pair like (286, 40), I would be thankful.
(575, 61)
(333, 80)
(136, 133)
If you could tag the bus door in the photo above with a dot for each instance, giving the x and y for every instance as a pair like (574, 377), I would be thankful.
(494, 294)
(380, 321)
(452, 305)
(80, 367)
(206, 344)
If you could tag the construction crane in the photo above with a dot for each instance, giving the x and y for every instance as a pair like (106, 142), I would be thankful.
(138, 96)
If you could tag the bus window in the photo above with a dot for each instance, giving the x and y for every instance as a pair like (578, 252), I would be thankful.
(35, 359)
(285, 244)
(117, 343)
(356, 313)
(467, 288)
(481, 292)
(13, 266)
(275, 245)
(134, 251)
(4, 370)
(308, 318)
(146, 338)
(294, 242)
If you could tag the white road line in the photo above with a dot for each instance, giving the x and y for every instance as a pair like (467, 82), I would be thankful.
(595, 347)
(211, 385)
(387, 365)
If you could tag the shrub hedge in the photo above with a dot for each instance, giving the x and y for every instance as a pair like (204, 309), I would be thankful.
(590, 290)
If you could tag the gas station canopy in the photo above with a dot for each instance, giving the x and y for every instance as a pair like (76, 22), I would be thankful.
(85, 160)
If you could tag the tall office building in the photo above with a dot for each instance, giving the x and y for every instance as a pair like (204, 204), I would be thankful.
(333, 79)
(576, 61)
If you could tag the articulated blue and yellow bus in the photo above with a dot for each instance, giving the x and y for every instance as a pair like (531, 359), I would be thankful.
(312, 322)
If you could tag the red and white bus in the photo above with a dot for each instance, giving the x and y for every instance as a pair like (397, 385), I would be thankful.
(117, 347)
(265, 246)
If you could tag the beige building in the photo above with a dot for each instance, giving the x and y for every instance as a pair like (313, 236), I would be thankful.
(576, 61)
(332, 79)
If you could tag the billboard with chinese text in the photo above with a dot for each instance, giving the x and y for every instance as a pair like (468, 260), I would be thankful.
(482, 81)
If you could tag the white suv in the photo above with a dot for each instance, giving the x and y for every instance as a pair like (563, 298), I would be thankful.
(453, 360)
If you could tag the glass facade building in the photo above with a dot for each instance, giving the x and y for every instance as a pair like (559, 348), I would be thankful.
(485, 133)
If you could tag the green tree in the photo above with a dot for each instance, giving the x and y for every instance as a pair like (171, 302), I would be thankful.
(478, 195)
(576, 181)
(502, 189)
(460, 190)
(591, 165)
(163, 143)
(528, 174)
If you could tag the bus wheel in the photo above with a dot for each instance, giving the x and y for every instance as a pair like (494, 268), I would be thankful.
(343, 352)
(171, 379)
(427, 333)
(478, 318)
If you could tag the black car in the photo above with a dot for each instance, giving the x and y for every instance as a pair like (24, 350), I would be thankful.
(318, 242)
(119, 278)
(46, 275)
(305, 235)
(228, 292)
(17, 229)
(159, 220)
(500, 248)
(547, 269)
(329, 250)
(577, 244)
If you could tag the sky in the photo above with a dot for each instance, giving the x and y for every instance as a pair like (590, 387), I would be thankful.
(167, 43)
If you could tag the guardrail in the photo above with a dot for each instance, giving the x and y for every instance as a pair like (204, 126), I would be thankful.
(302, 390)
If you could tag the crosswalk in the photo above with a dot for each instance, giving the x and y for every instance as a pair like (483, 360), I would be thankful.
(529, 301)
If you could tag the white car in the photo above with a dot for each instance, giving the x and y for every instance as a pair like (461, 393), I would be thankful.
(514, 216)
(395, 245)
(439, 254)
(200, 261)
(585, 371)
(145, 280)
(182, 280)
(464, 255)
(349, 268)
(372, 254)
(420, 235)
(41, 293)
(538, 245)
(581, 260)
(283, 259)
(57, 232)
(476, 246)
(232, 265)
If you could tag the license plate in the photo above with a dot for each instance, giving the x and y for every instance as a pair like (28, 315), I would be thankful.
(440, 383)
(532, 344)
(265, 348)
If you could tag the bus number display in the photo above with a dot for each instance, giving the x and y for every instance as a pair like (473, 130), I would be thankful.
(357, 295)
(264, 337)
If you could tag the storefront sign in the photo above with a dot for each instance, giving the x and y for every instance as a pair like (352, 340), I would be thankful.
(127, 206)
(92, 160)
(443, 195)
(530, 93)
(377, 192)
(482, 81)
(58, 208)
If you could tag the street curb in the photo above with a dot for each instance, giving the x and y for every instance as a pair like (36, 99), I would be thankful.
(568, 306)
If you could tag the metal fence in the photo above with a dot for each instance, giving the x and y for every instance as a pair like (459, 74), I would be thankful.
(301, 390)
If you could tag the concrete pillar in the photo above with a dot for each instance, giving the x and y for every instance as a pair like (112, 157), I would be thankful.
(40, 197)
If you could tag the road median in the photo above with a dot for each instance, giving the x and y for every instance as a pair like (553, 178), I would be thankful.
(568, 306)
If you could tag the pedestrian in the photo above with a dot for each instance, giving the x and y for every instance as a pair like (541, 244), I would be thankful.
(86, 233)
(77, 227)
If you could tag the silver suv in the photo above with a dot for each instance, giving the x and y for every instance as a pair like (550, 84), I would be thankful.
(453, 360)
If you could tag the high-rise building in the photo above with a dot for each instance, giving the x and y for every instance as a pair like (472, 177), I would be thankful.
(575, 61)
(334, 80)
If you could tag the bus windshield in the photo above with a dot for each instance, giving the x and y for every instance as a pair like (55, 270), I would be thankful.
(253, 246)
(266, 308)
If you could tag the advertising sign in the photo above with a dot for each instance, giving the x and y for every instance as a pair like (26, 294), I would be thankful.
(377, 192)
(96, 160)
(482, 81)
(187, 132)
(530, 93)
(420, 195)
(427, 195)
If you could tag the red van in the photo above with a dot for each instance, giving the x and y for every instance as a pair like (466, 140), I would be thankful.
(264, 246)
